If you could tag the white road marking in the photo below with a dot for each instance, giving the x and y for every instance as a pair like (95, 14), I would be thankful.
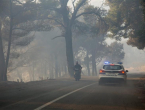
(49, 103)
(32, 98)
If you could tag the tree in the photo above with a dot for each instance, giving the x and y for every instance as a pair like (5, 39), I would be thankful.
(2, 63)
(66, 19)
(19, 19)
(91, 32)
(3, 10)
(126, 19)
(115, 52)
(13, 23)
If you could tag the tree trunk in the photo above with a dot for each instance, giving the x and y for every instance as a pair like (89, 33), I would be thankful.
(51, 69)
(68, 36)
(45, 69)
(59, 71)
(65, 70)
(33, 72)
(69, 51)
(9, 43)
(94, 63)
(95, 69)
(56, 67)
(2, 59)
(87, 64)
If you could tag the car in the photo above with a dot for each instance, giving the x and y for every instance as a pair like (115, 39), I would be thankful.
(112, 73)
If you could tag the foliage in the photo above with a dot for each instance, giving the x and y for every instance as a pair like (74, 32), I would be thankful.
(126, 19)
(115, 52)
(4, 6)
(21, 21)
(30, 17)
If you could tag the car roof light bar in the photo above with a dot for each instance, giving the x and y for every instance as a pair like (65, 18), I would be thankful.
(107, 62)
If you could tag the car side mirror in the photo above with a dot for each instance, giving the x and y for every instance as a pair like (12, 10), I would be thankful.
(126, 70)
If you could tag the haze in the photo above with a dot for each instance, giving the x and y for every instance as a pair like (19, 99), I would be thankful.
(72, 54)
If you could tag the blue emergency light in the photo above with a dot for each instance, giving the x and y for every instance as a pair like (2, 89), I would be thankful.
(120, 63)
(107, 62)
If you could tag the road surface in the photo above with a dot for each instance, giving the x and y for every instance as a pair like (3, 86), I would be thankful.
(67, 94)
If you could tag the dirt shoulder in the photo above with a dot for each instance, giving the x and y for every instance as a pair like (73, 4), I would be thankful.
(140, 89)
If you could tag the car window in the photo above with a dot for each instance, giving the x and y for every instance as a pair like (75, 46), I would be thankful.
(112, 67)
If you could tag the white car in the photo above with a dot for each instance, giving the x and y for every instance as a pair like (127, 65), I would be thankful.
(111, 73)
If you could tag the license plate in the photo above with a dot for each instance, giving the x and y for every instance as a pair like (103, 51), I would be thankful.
(111, 74)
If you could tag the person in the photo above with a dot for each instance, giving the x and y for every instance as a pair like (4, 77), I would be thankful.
(78, 66)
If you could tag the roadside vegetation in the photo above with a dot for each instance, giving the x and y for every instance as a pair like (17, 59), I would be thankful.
(43, 39)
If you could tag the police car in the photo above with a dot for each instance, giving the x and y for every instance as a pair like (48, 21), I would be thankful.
(111, 73)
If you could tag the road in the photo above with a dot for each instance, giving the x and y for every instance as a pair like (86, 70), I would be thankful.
(67, 94)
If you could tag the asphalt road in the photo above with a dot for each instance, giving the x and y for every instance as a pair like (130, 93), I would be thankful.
(67, 94)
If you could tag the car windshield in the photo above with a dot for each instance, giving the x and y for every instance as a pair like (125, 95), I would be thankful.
(112, 67)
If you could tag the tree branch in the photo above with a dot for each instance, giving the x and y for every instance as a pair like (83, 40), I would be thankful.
(92, 12)
(79, 6)
(56, 37)
(63, 2)
(101, 5)
(52, 18)
(99, 60)
(19, 2)
(73, 3)
(76, 10)
(19, 29)
(84, 13)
